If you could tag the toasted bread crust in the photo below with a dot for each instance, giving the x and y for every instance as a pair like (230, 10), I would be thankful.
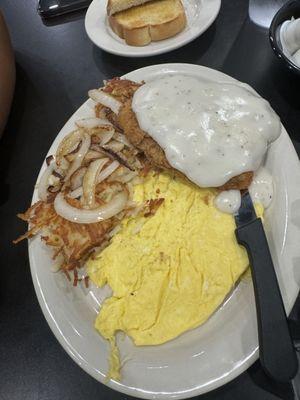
(143, 34)
(115, 6)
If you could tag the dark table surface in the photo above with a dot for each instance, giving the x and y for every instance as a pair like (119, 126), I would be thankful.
(56, 66)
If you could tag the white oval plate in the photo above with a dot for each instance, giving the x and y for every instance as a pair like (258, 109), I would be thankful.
(204, 358)
(200, 15)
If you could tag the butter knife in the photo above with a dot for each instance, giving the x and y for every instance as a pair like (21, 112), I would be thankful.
(276, 351)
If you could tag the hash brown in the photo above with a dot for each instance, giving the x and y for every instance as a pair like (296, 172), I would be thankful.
(73, 241)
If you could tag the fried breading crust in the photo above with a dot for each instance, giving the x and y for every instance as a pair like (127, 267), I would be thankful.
(240, 182)
(140, 139)
(121, 89)
(124, 90)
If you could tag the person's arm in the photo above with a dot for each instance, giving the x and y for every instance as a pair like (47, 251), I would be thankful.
(7, 73)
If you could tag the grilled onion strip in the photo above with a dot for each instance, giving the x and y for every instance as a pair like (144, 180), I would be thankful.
(83, 216)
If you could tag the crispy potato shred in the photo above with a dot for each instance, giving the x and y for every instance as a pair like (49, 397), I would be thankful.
(70, 240)
(72, 173)
(87, 187)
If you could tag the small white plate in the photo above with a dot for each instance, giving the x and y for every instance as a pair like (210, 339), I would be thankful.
(212, 354)
(200, 15)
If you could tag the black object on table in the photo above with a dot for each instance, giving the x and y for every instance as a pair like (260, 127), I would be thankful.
(56, 66)
(54, 8)
(277, 353)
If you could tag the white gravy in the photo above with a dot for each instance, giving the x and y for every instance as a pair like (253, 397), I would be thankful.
(262, 189)
(210, 131)
(228, 201)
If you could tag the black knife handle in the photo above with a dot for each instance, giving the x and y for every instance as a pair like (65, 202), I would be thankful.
(276, 350)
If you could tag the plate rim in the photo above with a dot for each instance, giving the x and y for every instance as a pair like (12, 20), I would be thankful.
(131, 51)
(243, 366)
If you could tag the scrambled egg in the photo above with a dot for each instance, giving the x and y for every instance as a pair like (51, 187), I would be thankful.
(168, 272)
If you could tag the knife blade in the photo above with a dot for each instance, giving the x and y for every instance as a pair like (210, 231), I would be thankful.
(276, 351)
